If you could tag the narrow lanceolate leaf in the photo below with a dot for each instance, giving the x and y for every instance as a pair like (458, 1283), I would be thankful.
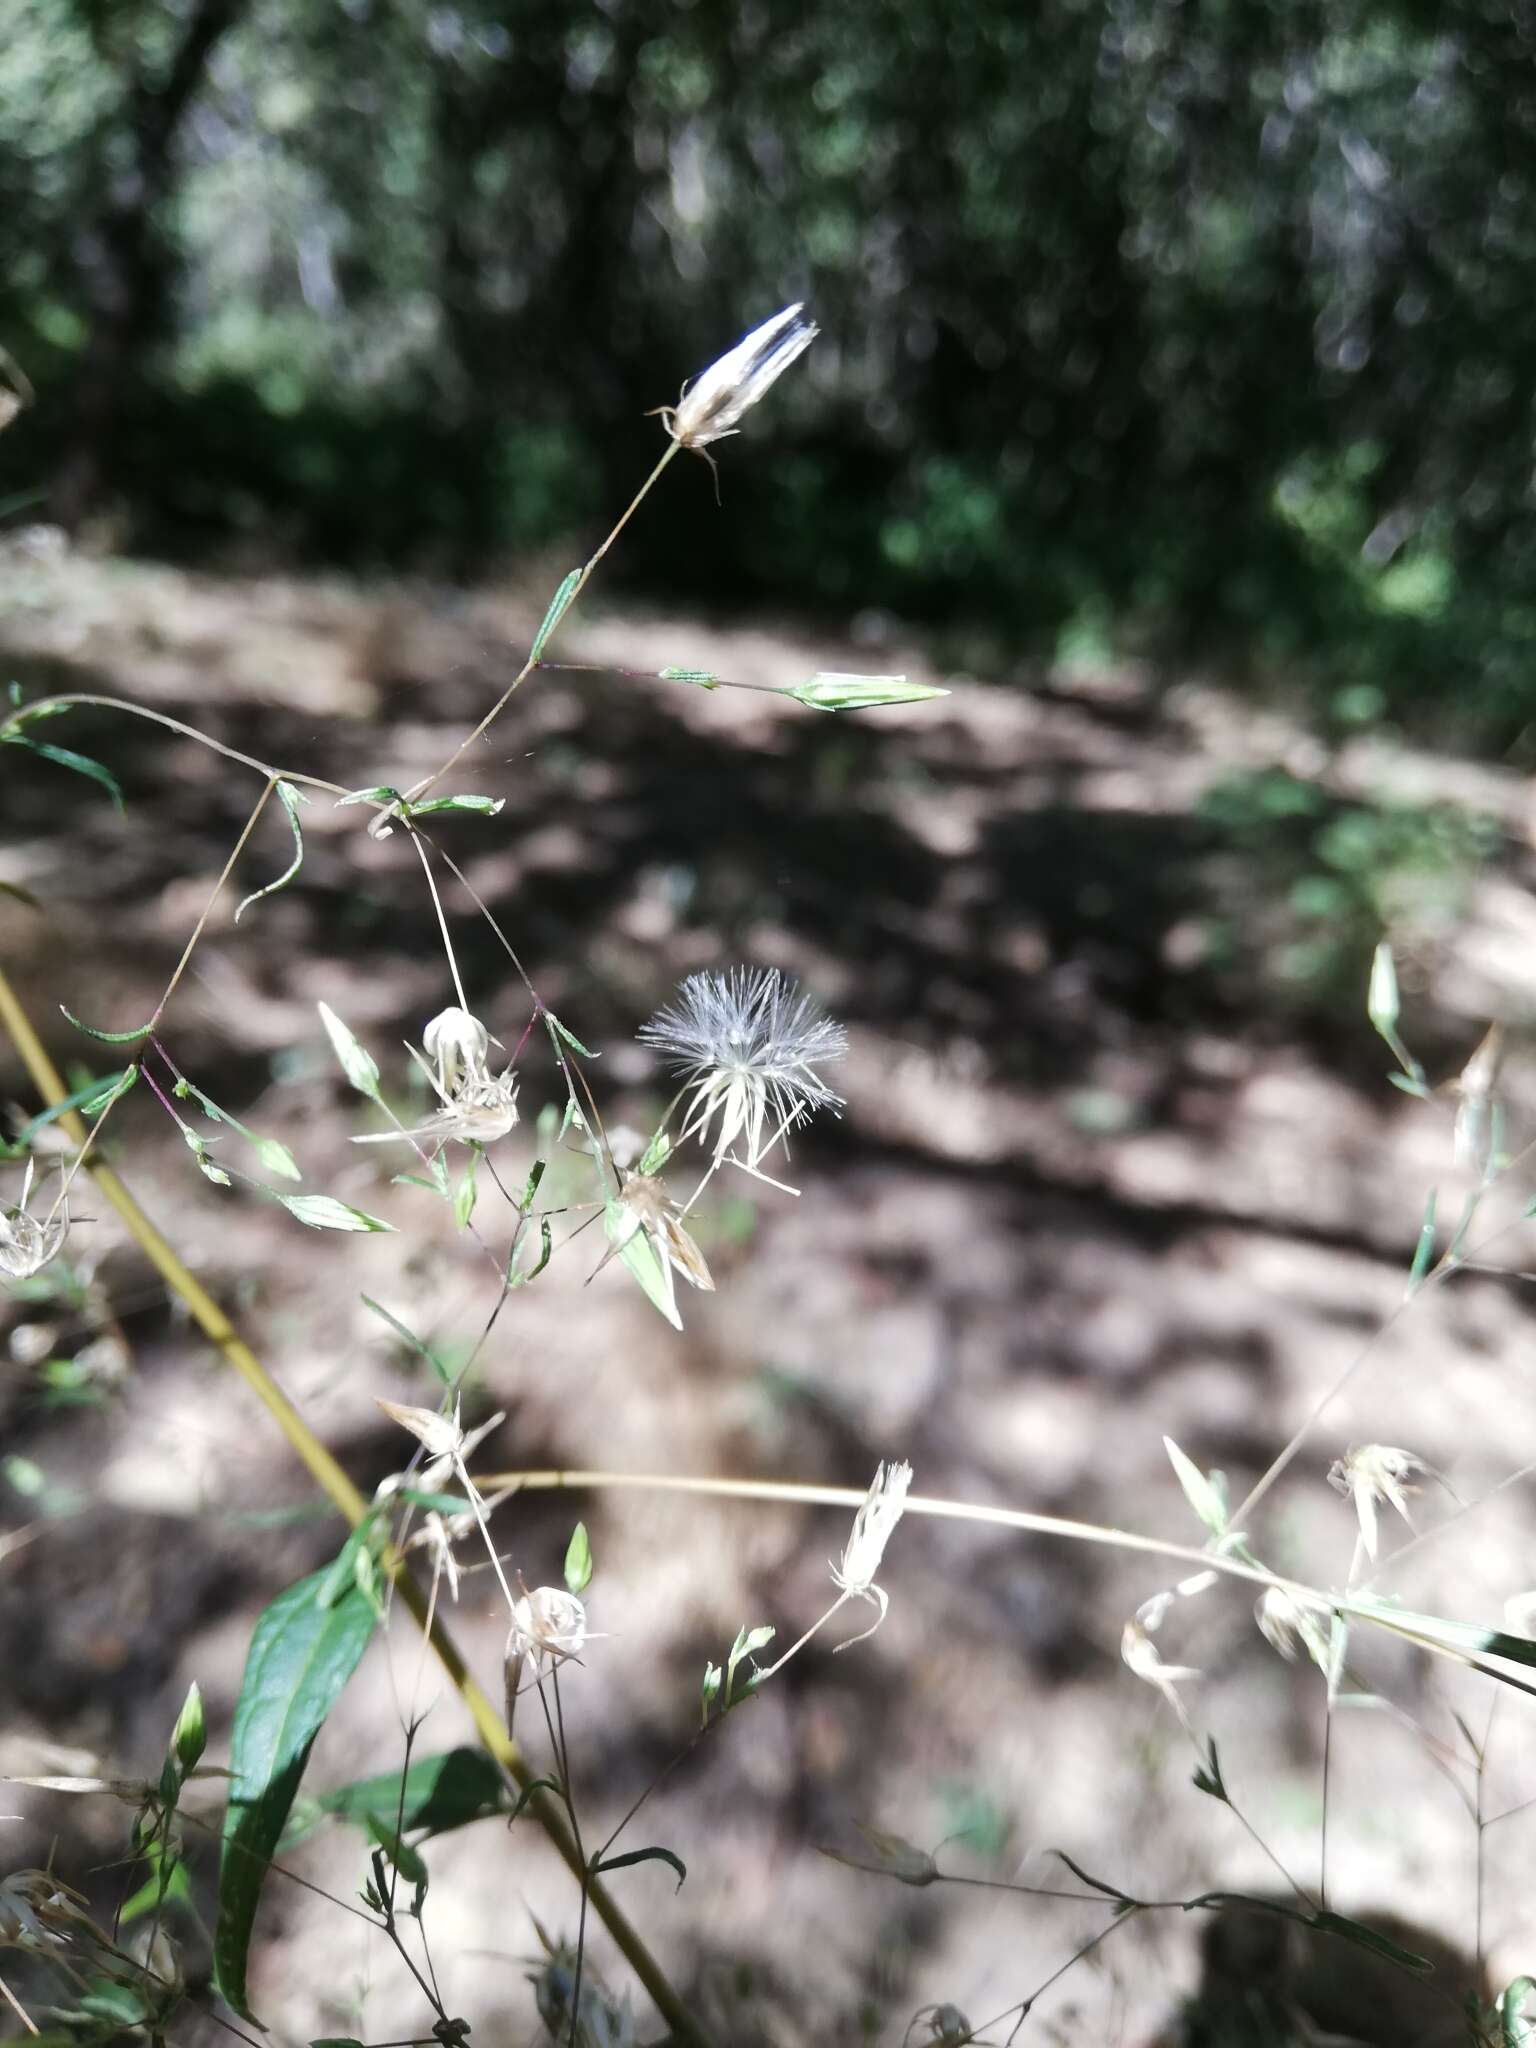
(1424, 1250)
(435, 1794)
(291, 799)
(417, 1344)
(578, 1561)
(1382, 1004)
(830, 692)
(558, 607)
(569, 1036)
(107, 1037)
(301, 1656)
(703, 678)
(89, 1100)
(640, 1256)
(1202, 1495)
(324, 1212)
(81, 764)
(488, 805)
(357, 1063)
(633, 1856)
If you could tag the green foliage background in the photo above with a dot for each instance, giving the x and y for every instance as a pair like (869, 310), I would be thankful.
(1148, 323)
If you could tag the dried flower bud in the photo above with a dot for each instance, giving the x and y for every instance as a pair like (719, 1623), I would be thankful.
(1375, 1472)
(27, 1243)
(711, 407)
(446, 1441)
(1284, 1623)
(878, 1514)
(457, 1044)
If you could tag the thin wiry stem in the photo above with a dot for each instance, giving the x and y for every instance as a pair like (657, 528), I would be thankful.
(189, 732)
(442, 922)
(420, 789)
(94, 1133)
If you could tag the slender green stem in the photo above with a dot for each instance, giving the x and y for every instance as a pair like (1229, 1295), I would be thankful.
(420, 789)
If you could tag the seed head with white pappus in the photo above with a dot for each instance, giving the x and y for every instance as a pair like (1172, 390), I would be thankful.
(710, 407)
(747, 1044)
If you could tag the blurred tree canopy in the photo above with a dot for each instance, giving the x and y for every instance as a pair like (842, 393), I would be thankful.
(1147, 322)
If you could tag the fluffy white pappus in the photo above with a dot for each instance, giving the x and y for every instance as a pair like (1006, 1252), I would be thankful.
(748, 1043)
(715, 402)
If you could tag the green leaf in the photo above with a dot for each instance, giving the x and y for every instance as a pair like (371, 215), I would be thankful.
(108, 1037)
(381, 793)
(704, 678)
(359, 1066)
(487, 805)
(1208, 1778)
(827, 691)
(536, 1174)
(1516, 2031)
(25, 896)
(1424, 1250)
(546, 1245)
(1204, 1497)
(656, 1154)
(423, 1350)
(65, 757)
(464, 1195)
(569, 1036)
(153, 1893)
(94, 1096)
(643, 1261)
(275, 1157)
(301, 1656)
(405, 1859)
(1382, 1005)
(290, 798)
(632, 1856)
(559, 605)
(578, 1561)
(1367, 1938)
(324, 1212)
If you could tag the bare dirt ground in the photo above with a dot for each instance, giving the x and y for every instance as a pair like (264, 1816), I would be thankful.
(1094, 1184)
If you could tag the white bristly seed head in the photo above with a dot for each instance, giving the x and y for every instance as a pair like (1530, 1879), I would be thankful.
(1375, 1472)
(27, 1243)
(747, 1044)
(1284, 1622)
(710, 408)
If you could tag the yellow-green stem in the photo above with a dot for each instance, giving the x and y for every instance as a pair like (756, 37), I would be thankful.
(338, 1488)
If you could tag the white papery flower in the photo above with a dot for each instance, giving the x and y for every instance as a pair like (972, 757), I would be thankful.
(549, 1625)
(711, 406)
(457, 1045)
(27, 1243)
(746, 1043)
(1369, 1473)
(878, 1515)
(477, 1106)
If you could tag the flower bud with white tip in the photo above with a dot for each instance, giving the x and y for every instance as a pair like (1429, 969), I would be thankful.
(711, 406)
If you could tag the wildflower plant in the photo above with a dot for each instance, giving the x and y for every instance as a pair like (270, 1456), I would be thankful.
(748, 1050)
